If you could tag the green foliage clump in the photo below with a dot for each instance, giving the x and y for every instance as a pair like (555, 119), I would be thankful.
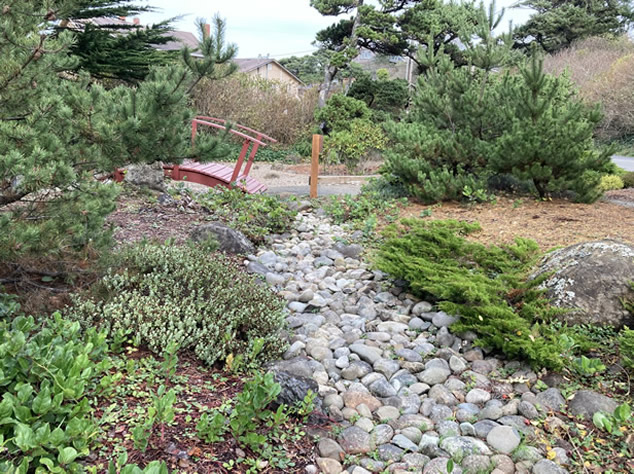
(255, 215)
(628, 179)
(350, 146)
(618, 423)
(626, 344)
(59, 129)
(47, 374)
(183, 295)
(357, 209)
(121, 466)
(252, 423)
(340, 111)
(381, 94)
(611, 181)
(486, 286)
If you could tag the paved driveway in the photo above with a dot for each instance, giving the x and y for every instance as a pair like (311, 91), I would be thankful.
(625, 162)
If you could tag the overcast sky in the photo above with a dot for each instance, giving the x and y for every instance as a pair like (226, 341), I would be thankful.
(279, 28)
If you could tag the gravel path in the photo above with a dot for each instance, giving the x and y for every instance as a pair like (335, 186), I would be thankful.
(410, 395)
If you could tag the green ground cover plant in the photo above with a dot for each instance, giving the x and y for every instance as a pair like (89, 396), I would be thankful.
(486, 286)
(626, 346)
(363, 211)
(183, 295)
(48, 374)
(255, 215)
(252, 422)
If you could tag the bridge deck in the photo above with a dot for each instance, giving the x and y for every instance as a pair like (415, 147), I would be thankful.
(212, 175)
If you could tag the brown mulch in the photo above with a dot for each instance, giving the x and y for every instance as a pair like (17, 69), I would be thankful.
(136, 219)
(176, 444)
(550, 223)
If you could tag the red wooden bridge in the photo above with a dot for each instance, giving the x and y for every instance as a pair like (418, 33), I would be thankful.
(212, 174)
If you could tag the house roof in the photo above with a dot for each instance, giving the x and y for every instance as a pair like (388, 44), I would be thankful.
(181, 38)
(251, 64)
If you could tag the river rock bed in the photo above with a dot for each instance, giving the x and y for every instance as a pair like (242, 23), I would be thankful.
(407, 394)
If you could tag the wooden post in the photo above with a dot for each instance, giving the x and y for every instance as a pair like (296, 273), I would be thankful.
(314, 166)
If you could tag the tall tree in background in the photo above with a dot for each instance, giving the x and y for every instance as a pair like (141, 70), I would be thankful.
(558, 23)
(339, 40)
(401, 27)
(58, 129)
(109, 48)
(393, 27)
(309, 68)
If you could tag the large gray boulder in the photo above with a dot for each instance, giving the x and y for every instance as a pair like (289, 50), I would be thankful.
(150, 175)
(591, 279)
(229, 240)
(586, 403)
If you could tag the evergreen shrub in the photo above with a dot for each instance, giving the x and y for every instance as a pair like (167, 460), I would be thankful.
(610, 181)
(185, 296)
(487, 286)
(494, 116)
(350, 146)
(340, 111)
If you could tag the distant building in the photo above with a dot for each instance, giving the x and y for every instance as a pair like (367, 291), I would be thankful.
(266, 68)
(271, 70)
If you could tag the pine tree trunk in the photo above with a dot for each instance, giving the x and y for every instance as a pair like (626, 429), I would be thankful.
(330, 72)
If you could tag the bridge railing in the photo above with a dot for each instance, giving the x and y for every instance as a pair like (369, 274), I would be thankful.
(250, 142)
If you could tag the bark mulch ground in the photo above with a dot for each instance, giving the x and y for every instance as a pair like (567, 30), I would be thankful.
(199, 389)
(550, 223)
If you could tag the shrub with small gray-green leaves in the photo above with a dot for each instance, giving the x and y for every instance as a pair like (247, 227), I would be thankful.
(184, 295)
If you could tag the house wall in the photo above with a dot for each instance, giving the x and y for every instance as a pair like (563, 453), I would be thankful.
(274, 72)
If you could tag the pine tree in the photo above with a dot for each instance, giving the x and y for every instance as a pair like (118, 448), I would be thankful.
(558, 23)
(112, 49)
(402, 27)
(58, 129)
(309, 68)
(339, 41)
(548, 140)
(442, 147)
(485, 120)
